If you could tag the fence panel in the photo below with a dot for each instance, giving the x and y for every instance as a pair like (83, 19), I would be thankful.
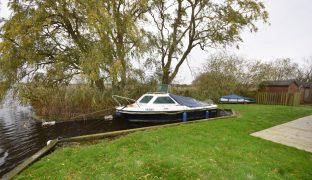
(286, 99)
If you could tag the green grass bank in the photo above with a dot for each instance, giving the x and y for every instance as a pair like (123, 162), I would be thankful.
(221, 149)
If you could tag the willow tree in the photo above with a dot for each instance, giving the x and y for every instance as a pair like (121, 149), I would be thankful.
(42, 36)
(117, 25)
(183, 25)
(61, 39)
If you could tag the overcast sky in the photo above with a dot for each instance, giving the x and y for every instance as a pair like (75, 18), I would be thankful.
(288, 35)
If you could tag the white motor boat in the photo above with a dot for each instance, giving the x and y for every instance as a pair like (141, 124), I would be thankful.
(164, 107)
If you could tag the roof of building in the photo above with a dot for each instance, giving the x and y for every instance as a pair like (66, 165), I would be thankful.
(280, 82)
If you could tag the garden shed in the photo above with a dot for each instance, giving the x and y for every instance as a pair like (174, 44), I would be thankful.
(282, 92)
(280, 86)
(306, 89)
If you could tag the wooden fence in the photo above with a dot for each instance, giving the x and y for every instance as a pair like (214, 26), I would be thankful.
(286, 99)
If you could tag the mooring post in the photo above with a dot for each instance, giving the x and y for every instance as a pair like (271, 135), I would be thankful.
(207, 114)
(184, 116)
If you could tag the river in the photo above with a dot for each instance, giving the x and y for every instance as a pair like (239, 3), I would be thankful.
(21, 136)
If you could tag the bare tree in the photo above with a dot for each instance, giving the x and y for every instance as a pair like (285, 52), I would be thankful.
(305, 72)
(184, 24)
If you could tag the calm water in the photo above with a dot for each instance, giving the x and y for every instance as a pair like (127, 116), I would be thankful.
(21, 136)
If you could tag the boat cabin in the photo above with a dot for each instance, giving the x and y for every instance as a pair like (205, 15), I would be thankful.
(156, 99)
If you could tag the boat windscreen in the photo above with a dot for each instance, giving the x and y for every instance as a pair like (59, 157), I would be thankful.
(146, 99)
(164, 100)
(188, 101)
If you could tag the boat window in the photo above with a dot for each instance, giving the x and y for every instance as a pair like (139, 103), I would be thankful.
(146, 99)
(164, 100)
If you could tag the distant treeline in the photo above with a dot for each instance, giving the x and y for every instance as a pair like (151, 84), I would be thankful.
(225, 73)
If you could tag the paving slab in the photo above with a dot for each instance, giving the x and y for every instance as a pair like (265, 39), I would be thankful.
(297, 133)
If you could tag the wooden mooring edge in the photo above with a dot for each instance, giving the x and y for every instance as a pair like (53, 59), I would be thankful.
(123, 132)
(30, 160)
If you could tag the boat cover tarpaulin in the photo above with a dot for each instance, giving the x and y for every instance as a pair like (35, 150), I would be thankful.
(188, 101)
(235, 97)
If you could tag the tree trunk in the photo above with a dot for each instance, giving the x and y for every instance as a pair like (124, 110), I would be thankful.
(123, 77)
(165, 77)
(100, 84)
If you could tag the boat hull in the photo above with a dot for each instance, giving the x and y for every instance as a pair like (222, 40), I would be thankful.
(176, 116)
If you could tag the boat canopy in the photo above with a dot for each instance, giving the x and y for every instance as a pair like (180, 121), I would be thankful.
(188, 101)
(236, 98)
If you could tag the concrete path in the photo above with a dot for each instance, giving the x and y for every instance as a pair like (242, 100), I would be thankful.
(297, 133)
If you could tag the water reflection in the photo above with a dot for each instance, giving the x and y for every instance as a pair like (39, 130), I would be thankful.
(21, 136)
(18, 136)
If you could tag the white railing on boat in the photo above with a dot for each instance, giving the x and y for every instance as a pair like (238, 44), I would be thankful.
(115, 97)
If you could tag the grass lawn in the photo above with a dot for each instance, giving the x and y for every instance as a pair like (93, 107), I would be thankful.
(221, 149)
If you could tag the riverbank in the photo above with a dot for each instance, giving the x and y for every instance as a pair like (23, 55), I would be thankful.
(67, 103)
(216, 149)
(74, 102)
